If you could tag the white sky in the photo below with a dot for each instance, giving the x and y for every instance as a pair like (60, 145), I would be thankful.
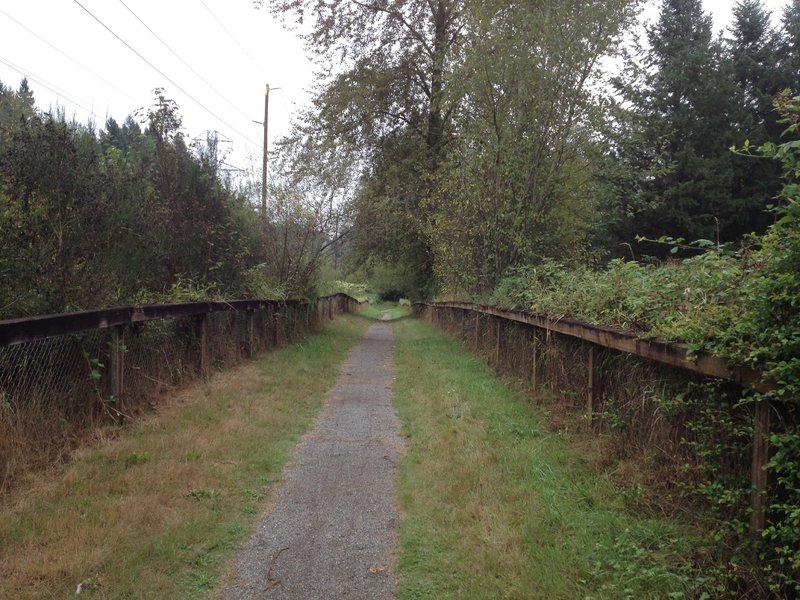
(265, 53)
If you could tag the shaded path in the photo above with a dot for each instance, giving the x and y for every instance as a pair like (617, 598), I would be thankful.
(329, 532)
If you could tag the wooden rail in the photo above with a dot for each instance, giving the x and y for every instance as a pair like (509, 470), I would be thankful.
(18, 331)
(669, 353)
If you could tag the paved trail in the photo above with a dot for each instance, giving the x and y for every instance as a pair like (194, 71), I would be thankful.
(329, 533)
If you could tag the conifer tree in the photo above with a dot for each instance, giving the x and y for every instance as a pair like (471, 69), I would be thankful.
(752, 52)
(684, 110)
(789, 47)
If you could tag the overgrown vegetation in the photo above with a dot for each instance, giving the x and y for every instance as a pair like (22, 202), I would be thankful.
(157, 511)
(741, 305)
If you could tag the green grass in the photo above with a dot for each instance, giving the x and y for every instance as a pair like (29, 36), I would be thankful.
(393, 309)
(159, 510)
(497, 506)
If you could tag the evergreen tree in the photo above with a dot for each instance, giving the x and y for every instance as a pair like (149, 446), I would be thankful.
(671, 140)
(15, 109)
(789, 47)
(752, 52)
(25, 96)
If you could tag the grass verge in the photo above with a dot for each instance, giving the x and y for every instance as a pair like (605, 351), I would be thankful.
(499, 507)
(159, 511)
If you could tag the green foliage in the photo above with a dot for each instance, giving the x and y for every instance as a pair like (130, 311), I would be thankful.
(695, 300)
(359, 291)
(392, 282)
(516, 183)
(685, 98)
(136, 458)
(124, 215)
(742, 306)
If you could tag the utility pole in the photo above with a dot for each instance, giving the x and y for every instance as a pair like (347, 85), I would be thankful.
(266, 142)
(266, 154)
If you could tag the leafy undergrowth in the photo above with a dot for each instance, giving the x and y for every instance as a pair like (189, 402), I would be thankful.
(157, 512)
(696, 300)
(498, 506)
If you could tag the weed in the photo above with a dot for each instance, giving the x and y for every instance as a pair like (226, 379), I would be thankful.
(191, 456)
(136, 458)
(203, 494)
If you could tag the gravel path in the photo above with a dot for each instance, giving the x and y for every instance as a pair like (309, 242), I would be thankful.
(329, 532)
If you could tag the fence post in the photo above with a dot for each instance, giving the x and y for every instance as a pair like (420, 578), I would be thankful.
(117, 366)
(533, 358)
(276, 338)
(202, 334)
(250, 341)
(497, 345)
(758, 472)
(594, 383)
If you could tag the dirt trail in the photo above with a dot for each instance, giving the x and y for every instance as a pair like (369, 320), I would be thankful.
(329, 532)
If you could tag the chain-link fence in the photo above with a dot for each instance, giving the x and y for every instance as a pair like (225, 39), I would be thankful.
(652, 408)
(54, 388)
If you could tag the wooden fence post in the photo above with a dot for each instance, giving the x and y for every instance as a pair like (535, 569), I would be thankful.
(202, 334)
(477, 321)
(497, 344)
(594, 383)
(117, 366)
(250, 334)
(758, 472)
(276, 338)
(533, 358)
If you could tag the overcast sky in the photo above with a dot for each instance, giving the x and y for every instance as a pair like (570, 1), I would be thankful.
(234, 47)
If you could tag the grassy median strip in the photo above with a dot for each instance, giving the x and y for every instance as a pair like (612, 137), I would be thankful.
(158, 511)
(496, 506)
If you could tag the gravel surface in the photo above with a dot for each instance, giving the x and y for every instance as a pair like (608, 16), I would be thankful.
(329, 531)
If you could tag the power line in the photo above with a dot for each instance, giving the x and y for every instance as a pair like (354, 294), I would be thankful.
(45, 84)
(236, 41)
(160, 72)
(187, 65)
(65, 55)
